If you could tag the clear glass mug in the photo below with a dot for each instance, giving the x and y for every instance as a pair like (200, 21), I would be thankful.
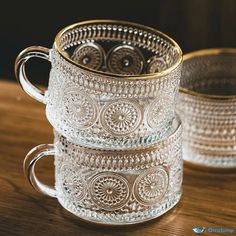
(112, 84)
(113, 187)
(207, 107)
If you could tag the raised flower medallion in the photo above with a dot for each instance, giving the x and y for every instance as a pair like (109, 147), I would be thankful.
(151, 186)
(121, 117)
(79, 108)
(109, 190)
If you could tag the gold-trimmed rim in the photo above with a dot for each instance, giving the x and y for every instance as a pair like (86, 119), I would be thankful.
(133, 77)
(208, 52)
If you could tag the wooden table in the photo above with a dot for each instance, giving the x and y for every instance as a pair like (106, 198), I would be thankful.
(209, 198)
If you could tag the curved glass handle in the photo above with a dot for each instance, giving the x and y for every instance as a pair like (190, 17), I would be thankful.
(22, 58)
(29, 168)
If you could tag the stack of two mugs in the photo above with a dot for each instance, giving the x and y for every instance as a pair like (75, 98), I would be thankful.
(111, 100)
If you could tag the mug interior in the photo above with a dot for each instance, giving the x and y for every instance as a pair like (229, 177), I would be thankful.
(116, 47)
(210, 73)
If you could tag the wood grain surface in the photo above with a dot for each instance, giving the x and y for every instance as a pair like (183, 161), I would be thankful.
(209, 197)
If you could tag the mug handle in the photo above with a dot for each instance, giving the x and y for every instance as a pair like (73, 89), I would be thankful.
(29, 168)
(22, 58)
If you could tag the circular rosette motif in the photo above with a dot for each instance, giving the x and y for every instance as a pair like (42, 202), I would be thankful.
(151, 186)
(158, 112)
(121, 117)
(79, 109)
(110, 191)
(156, 64)
(125, 60)
(90, 55)
(72, 183)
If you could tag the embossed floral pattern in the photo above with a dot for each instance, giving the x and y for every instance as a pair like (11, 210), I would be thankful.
(110, 191)
(79, 108)
(72, 183)
(121, 117)
(126, 60)
(90, 55)
(156, 64)
(150, 187)
(157, 112)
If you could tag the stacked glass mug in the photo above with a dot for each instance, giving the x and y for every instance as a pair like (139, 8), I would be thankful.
(111, 100)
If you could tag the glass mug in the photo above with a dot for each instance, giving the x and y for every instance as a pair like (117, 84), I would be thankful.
(112, 84)
(113, 187)
(207, 107)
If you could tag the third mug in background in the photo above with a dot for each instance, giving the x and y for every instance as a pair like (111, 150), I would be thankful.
(207, 107)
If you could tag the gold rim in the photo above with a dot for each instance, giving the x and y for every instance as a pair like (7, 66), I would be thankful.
(142, 76)
(208, 52)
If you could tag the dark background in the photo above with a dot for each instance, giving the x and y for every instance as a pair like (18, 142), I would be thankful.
(194, 24)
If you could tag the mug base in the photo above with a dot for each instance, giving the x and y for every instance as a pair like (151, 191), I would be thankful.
(121, 219)
(101, 141)
(221, 161)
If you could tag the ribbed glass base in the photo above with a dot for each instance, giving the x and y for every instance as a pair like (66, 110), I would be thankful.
(112, 218)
